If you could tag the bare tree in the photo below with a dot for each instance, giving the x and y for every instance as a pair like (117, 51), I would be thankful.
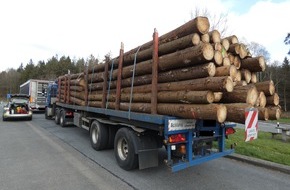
(217, 21)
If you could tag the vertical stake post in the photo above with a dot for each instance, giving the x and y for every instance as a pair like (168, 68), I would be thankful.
(119, 79)
(154, 73)
(105, 86)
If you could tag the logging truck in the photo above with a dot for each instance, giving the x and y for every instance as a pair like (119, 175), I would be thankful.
(137, 138)
(184, 91)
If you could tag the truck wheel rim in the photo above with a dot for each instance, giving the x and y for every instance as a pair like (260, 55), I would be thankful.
(122, 148)
(95, 136)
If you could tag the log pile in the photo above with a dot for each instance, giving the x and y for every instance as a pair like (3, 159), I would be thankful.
(189, 72)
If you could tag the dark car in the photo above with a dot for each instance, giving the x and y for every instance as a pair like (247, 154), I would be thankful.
(17, 107)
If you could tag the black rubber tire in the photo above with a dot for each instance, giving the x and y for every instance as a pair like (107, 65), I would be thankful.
(124, 149)
(57, 117)
(62, 119)
(99, 135)
(45, 114)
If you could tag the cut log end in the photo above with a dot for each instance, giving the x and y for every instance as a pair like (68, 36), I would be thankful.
(195, 39)
(211, 68)
(202, 24)
(262, 63)
(208, 51)
(221, 113)
(229, 86)
(218, 58)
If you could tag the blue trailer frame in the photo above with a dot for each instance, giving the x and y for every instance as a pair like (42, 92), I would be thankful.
(189, 127)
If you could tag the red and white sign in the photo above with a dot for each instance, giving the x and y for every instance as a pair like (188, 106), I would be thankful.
(251, 124)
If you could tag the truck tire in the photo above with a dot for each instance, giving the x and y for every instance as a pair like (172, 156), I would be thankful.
(46, 114)
(57, 117)
(99, 135)
(124, 149)
(62, 119)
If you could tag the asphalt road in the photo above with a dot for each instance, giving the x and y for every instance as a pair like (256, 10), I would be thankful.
(41, 155)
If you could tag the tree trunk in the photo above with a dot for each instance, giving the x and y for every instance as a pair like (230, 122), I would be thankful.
(214, 36)
(241, 94)
(274, 112)
(246, 75)
(267, 87)
(215, 84)
(187, 97)
(218, 58)
(199, 71)
(189, 111)
(236, 112)
(273, 100)
(232, 39)
(191, 56)
(263, 113)
(229, 70)
(261, 101)
(254, 64)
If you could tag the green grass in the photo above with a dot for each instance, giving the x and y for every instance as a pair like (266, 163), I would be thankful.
(265, 147)
(284, 120)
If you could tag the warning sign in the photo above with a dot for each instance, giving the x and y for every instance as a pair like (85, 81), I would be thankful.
(251, 124)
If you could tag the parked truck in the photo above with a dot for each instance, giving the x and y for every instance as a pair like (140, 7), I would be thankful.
(36, 89)
(138, 138)
(167, 93)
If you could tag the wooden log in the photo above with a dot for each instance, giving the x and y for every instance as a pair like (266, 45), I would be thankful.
(205, 38)
(79, 95)
(237, 62)
(255, 64)
(263, 113)
(236, 112)
(261, 100)
(273, 100)
(93, 96)
(238, 76)
(218, 58)
(215, 84)
(246, 75)
(226, 61)
(78, 82)
(214, 36)
(198, 25)
(240, 83)
(77, 75)
(229, 70)
(243, 52)
(232, 39)
(77, 101)
(254, 78)
(225, 43)
(216, 112)
(267, 87)
(199, 71)
(241, 94)
(234, 49)
(195, 39)
(274, 112)
(217, 46)
(217, 96)
(191, 56)
(77, 88)
(193, 97)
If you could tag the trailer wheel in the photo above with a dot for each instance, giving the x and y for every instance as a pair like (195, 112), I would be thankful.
(57, 116)
(124, 149)
(99, 135)
(62, 119)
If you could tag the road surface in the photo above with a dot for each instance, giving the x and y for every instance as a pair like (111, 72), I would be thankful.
(38, 154)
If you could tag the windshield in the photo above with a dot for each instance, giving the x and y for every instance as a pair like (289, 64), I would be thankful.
(19, 100)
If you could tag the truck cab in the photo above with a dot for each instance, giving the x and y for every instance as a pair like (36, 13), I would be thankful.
(50, 100)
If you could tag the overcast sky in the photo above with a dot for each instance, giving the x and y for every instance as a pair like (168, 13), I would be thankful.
(40, 29)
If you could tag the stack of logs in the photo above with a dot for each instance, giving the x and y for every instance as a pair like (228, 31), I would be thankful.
(200, 76)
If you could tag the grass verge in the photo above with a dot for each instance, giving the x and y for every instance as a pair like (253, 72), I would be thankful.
(265, 147)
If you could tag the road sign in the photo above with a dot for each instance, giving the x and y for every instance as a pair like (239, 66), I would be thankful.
(251, 124)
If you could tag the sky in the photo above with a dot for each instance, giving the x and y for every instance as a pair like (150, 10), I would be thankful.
(41, 29)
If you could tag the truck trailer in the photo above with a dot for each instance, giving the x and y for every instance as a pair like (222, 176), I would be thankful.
(138, 137)
(36, 89)
(161, 94)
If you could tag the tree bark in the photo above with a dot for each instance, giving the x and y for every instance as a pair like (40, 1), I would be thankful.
(236, 112)
(255, 64)
(274, 112)
(187, 97)
(267, 87)
(273, 100)
(187, 57)
(215, 84)
(241, 94)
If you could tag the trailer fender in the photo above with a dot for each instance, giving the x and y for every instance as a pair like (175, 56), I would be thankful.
(147, 149)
